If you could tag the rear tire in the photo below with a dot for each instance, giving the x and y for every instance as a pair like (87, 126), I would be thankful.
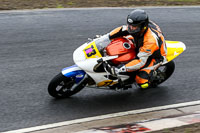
(163, 73)
(63, 87)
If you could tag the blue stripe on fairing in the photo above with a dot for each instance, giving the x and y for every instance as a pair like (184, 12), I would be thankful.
(78, 75)
(69, 67)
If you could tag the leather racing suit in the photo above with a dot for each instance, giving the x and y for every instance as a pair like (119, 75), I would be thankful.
(150, 49)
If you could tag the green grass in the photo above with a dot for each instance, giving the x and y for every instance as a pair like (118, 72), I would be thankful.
(70, 3)
(183, 0)
(59, 6)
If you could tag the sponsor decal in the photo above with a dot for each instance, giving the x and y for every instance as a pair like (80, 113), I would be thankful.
(130, 128)
(130, 20)
(79, 76)
(106, 83)
(148, 50)
(195, 118)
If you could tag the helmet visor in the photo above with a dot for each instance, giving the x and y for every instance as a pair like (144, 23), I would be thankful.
(134, 28)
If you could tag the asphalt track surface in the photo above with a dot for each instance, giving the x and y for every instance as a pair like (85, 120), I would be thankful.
(36, 45)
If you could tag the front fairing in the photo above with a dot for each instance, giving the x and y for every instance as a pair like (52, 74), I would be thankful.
(86, 56)
(90, 51)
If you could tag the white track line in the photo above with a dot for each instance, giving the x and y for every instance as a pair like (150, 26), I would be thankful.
(65, 123)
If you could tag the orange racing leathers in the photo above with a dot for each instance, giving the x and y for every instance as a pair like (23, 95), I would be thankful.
(150, 49)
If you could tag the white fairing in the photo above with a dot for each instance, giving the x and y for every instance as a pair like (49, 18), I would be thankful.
(87, 64)
(80, 59)
(79, 55)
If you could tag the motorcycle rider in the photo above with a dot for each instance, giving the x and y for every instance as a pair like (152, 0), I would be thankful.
(150, 46)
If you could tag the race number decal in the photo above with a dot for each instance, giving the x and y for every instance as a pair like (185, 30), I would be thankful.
(91, 51)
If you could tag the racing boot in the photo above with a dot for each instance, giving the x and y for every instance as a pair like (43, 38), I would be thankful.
(144, 86)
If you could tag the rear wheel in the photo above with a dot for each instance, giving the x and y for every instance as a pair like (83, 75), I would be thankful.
(163, 73)
(63, 87)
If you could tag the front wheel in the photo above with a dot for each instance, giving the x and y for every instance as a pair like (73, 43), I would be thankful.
(63, 87)
(163, 73)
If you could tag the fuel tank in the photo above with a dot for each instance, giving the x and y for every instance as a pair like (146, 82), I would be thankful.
(122, 47)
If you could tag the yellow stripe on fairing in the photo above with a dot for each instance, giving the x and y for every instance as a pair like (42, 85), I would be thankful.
(106, 83)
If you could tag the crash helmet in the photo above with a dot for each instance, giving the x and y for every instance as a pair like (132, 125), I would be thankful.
(137, 21)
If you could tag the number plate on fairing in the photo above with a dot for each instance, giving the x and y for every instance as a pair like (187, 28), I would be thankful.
(91, 51)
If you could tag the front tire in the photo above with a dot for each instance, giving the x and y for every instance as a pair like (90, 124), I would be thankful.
(63, 87)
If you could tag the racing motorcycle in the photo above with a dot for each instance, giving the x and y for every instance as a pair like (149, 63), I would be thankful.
(92, 60)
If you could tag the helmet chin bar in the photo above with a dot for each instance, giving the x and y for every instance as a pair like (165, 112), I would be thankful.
(142, 27)
(134, 31)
